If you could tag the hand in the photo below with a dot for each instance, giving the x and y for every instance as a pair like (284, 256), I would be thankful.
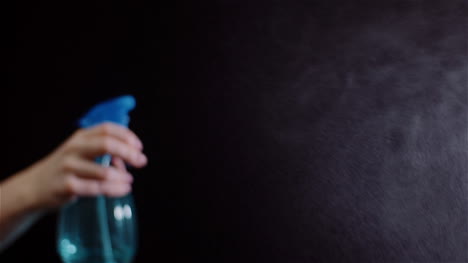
(70, 171)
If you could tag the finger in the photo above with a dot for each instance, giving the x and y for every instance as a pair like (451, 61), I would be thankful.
(89, 170)
(119, 163)
(83, 187)
(117, 131)
(98, 146)
(89, 188)
(111, 189)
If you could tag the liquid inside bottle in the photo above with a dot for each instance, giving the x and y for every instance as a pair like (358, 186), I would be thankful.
(98, 230)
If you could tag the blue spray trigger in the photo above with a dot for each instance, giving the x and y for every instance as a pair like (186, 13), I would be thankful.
(114, 110)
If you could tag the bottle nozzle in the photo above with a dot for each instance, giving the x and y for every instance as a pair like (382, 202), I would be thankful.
(114, 110)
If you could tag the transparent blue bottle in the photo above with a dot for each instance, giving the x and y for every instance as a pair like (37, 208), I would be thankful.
(100, 229)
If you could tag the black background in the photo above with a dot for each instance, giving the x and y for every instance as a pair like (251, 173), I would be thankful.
(251, 127)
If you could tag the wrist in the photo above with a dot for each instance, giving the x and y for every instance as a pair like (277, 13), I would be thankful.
(23, 193)
(18, 209)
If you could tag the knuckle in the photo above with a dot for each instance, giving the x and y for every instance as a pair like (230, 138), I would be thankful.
(129, 140)
(106, 128)
(70, 186)
(74, 141)
(69, 145)
(129, 133)
(107, 144)
(105, 173)
(78, 134)
(95, 188)
(68, 164)
(92, 188)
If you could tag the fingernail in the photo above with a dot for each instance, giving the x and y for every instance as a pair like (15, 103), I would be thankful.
(138, 144)
(142, 159)
(129, 178)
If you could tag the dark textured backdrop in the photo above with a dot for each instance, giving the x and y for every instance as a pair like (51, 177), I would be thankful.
(277, 131)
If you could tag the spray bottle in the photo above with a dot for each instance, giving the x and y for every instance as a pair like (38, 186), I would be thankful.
(100, 229)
